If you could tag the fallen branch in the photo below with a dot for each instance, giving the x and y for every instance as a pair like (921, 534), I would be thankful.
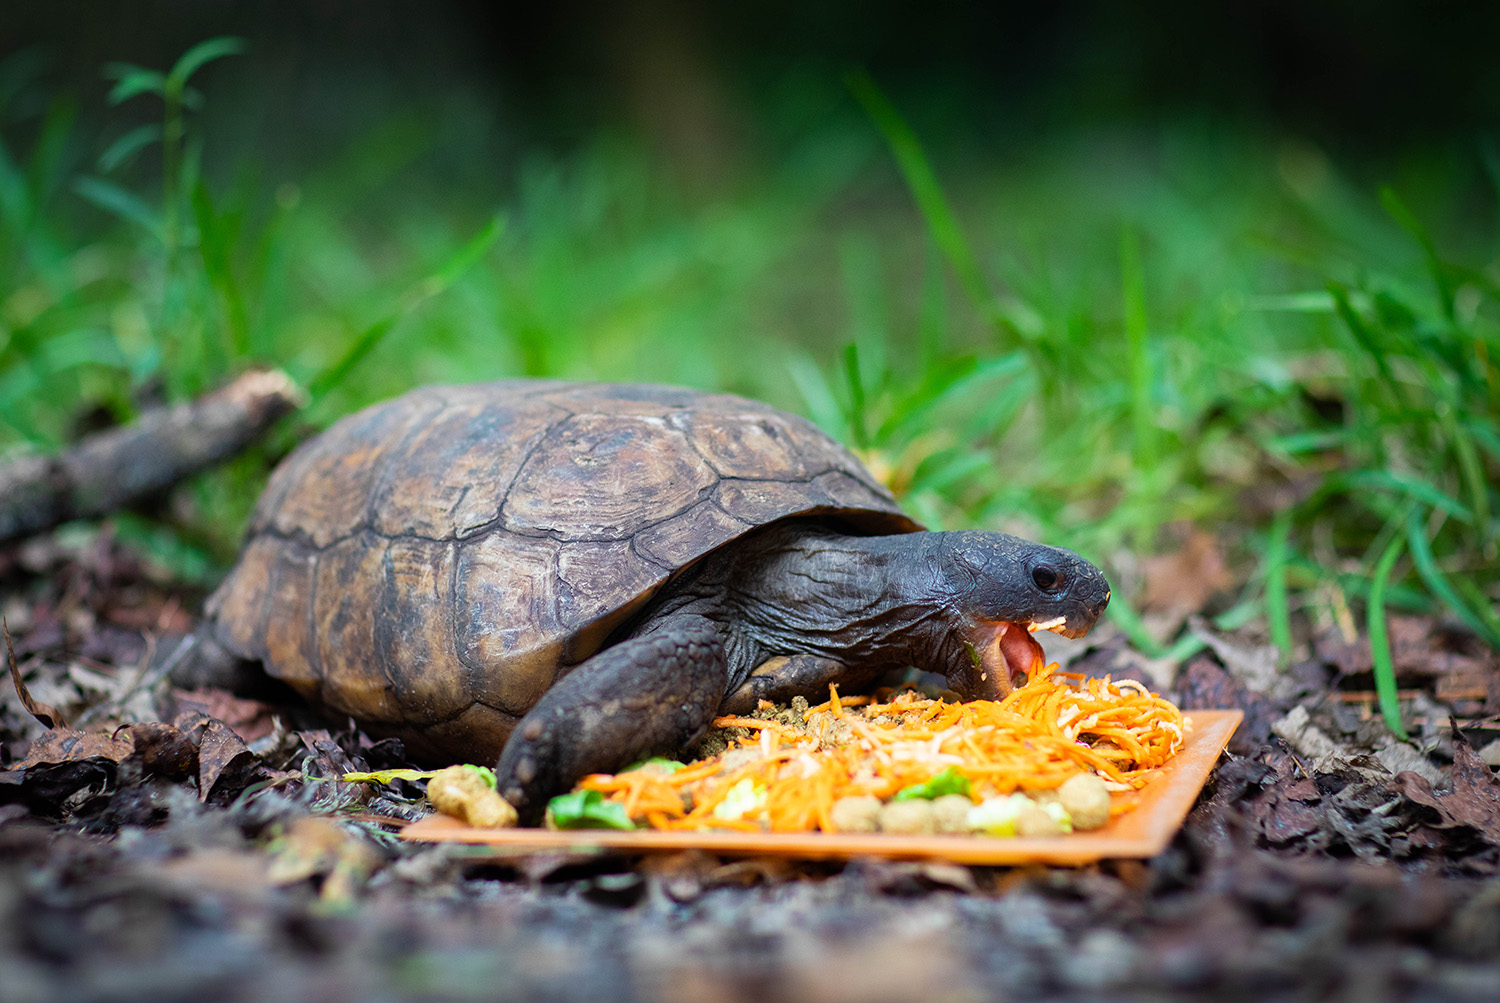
(110, 470)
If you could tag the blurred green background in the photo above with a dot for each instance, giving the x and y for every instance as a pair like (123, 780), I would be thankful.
(1091, 272)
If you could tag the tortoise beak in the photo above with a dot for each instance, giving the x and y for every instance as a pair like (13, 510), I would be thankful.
(1000, 651)
(1077, 622)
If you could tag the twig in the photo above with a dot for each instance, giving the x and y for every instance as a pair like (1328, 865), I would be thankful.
(110, 470)
(147, 676)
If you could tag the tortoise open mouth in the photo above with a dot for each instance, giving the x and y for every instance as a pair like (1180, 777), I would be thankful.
(1005, 650)
(1059, 625)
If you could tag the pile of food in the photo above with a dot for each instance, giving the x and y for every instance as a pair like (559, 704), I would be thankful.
(1058, 754)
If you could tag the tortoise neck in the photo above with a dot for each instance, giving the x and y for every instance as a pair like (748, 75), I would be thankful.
(862, 600)
(908, 601)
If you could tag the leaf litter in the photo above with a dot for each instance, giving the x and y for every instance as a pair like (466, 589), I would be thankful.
(202, 842)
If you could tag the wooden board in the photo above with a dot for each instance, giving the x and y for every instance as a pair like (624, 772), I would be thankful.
(1143, 832)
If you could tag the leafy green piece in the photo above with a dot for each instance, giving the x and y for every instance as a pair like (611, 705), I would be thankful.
(745, 799)
(661, 764)
(997, 816)
(485, 773)
(587, 810)
(947, 782)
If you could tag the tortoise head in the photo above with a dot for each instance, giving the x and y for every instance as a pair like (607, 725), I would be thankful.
(1005, 588)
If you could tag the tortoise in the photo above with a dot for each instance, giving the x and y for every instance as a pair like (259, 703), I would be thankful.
(566, 577)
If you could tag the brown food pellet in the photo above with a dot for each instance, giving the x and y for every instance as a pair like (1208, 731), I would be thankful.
(912, 817)
(950, 813)
(855, 814)
(462, 793)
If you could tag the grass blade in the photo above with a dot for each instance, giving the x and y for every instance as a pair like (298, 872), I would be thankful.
(1361, 331)
(466, 257)
(1471, 471)
(1278, 612)
(1380, 647)
(1437, 582)
(858, 425)
(116, 200)
(932, 202)
(450, 272)
(131, 81)
(362, 346)
(206, 51)
(1413, 488)
(1408, 221)
(1485, 605)
(216, 233)
(817, 395)
(1133, 282)
(129, 145)
(1122, 615)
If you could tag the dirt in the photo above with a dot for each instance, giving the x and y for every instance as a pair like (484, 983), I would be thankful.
(161, 846)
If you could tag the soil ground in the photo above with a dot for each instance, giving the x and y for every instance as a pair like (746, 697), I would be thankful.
(184, 847)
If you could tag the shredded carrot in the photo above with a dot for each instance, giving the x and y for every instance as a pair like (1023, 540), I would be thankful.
(1058, 725)
(753, 722)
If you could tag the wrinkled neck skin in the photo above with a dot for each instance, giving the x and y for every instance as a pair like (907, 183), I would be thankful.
(870, 602)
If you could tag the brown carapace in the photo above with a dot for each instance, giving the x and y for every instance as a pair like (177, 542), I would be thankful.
(433, 564)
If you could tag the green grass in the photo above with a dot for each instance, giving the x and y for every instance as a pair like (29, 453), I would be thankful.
(1085, 340)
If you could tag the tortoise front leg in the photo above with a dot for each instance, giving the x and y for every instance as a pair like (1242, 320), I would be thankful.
(785, 676)
(646, 696)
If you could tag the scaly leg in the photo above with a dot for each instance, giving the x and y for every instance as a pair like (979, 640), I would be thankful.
(649, 695)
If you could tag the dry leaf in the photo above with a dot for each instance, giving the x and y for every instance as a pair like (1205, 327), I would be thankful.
(1182, 582)
(45, 713)
(64, 745)
(1474, 800)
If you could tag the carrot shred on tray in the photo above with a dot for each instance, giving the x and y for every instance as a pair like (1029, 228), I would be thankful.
(787, 778)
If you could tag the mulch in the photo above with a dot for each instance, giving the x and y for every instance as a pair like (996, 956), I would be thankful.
(157, 845)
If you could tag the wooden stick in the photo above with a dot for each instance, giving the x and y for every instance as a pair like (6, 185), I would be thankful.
(108, 471)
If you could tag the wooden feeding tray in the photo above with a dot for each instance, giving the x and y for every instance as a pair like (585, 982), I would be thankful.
(1142, 832)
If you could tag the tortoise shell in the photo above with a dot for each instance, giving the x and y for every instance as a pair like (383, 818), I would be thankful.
(432, 564)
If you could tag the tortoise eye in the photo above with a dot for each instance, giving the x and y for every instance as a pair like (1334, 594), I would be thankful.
(1046, 577)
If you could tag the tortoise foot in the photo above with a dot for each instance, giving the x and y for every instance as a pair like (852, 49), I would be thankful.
(643, 697)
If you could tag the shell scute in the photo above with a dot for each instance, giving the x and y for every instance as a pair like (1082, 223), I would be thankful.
(760, 502)
(334, 477)
(673, 543)
(748, 445)
(454, 472)
(238, 606)
(507, 628)
(290, 642)
(414, 630)
(345, 606)
(605, 477)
